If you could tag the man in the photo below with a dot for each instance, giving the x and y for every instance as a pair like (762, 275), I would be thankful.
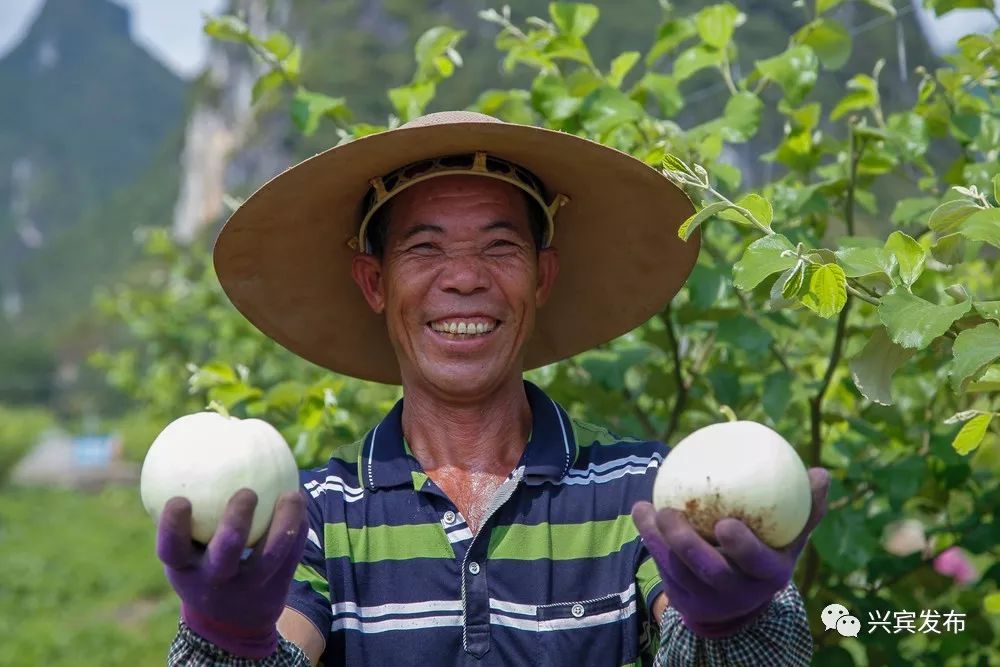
(477, 523)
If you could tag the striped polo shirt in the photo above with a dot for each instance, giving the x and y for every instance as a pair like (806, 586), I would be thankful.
(556, 575)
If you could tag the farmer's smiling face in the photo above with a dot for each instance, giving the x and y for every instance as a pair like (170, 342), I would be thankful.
(459, 282)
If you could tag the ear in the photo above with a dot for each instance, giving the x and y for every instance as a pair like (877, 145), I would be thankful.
(367, 273)
(548, 269)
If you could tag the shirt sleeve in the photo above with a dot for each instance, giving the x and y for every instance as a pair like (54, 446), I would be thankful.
(779, 637)
(309, 592)
(191, 650)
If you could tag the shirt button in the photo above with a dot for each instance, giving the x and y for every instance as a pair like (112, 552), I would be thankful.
(474, 568)
(577, 611)
(449, 517)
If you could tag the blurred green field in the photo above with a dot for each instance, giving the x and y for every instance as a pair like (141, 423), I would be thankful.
(79, 580)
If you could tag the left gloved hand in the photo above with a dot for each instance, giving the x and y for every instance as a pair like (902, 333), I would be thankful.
(719, 590)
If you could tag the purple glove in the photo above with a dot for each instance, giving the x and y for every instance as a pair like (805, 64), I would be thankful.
(234, 603)
(718, 591)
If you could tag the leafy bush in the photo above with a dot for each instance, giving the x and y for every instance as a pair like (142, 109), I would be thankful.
(876, 352)
(20, 428)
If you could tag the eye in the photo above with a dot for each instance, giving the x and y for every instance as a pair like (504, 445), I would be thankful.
(422, 247)
(501, 244)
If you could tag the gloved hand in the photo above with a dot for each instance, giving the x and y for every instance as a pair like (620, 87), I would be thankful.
(719, 590)
(234, 603)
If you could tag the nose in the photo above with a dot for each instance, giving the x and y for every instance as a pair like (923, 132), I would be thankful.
(464, 274)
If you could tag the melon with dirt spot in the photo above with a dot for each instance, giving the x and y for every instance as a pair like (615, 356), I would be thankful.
(738, 469)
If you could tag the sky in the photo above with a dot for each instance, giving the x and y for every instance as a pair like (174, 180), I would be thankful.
(171, 29)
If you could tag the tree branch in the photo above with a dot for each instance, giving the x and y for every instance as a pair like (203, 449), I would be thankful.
(680, 398)
(640, 414)
(816, 402)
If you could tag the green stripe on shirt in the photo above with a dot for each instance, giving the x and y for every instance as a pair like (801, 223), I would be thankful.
(647, 577)
(371, 544)
(562, 541)
(310, 576)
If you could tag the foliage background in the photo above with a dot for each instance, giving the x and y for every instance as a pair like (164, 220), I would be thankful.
(857, 328)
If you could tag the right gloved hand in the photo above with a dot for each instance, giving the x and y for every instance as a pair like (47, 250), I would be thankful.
(233, 602)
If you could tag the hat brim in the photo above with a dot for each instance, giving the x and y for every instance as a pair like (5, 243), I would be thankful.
(283, 258)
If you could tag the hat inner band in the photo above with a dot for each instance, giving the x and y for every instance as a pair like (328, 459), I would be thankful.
(479, 163)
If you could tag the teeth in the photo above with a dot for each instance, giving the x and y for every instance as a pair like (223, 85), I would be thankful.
(463, 328)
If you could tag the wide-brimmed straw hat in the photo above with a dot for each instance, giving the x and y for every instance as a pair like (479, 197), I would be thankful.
(284, 257)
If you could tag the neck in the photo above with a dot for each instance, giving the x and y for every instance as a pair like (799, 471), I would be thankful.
(486, 435)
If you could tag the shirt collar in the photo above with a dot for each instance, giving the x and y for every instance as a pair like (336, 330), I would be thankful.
(385, 461)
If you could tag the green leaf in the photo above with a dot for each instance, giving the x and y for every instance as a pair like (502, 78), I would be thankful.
(991, 603)
(574, 19)
(909, 254)
(914, 322)
(844, 541)
(777, 394)
(227, 28)
(908, 211)
(741, 332)
(973, 351)
(823, 6)
(673, 163)
(230, 395)
(827, 292)
(989, 381)
(829, 39)
(665, 90)
(695, 59)
(551, 96)
(716, 24)
(872, 369)
(795, 71)
(941, 7)
(265, 84)
(983, 225)
(212, 374)
(996, 188)
(949, 216)
(689, 226)
(971, 434)
(670, 35)
(883, 5)
(607, 108)
(761, 259)
(863, 95)
(797, 281)
(621, 66)
(569, 47)
(279, 44)
(293, 64)
(741, 117)
(431, 47)
(988, 309)
(858, 262)
(444, 66)
(608, 367)
(759, 207)
(410, 101)
(949, 248)
(308, 108)
(907, 135)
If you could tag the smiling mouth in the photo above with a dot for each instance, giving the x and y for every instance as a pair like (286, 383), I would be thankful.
(464, 328)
